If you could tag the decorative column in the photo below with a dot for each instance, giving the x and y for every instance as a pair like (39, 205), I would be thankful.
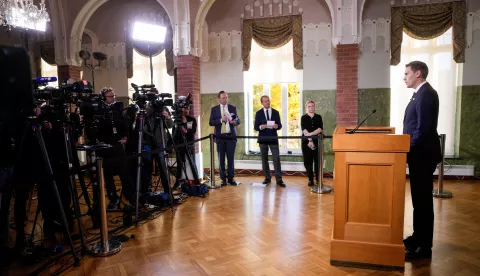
(346, 37)
(188, 81)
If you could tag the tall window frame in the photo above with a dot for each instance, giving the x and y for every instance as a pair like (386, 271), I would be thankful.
(272, 74)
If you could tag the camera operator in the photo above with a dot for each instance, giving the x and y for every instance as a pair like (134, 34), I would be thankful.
(152, 139)
(186, 128)
(113, 130)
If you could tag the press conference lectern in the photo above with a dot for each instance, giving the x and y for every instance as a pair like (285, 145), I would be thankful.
(370, 172)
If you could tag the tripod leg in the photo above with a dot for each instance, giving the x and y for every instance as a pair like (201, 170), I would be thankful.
(46, 161)
(37, 212)
(81, 179)
(73, 187)
(139, 163)
(164, 175)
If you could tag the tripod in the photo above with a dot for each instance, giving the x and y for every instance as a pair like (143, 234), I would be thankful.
(32, 127)
(162, 157)
(69, 147)
(141, 121)
(188, 153)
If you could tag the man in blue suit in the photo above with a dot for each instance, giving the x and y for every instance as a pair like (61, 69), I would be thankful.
(224, 118)
(420, 122)
(263, 116)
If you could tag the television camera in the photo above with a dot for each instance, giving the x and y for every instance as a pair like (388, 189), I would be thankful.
(180, 103)
(148, 93)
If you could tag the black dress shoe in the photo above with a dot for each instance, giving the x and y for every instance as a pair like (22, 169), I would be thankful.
(310, 183)
(418, 253)
(224, 183)
(281, 184)
(410, 242)
(233, 182)
(266, 181)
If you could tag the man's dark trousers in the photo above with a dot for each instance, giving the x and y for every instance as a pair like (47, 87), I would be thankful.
(421, 169)
(226, 147)
(276, 160)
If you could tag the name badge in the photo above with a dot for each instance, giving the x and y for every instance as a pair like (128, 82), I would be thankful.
(189, 125)
(114, 130)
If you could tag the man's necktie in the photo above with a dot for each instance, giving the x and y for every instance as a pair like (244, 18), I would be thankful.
(224, 124)
(268, 116)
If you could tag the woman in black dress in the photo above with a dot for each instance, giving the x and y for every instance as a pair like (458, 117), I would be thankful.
(312, 125)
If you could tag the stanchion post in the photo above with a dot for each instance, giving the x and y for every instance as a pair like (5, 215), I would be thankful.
(319, 188)
(212, 161)
(104, 247)
(440, 192)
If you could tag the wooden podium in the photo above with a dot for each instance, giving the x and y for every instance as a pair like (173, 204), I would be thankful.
(370, 172)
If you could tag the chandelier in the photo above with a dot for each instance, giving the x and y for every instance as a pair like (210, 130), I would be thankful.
(23, 14)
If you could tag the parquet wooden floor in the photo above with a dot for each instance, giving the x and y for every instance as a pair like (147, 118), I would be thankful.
(248, 230)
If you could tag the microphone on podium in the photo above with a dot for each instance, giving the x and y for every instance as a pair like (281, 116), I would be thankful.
(355, 129)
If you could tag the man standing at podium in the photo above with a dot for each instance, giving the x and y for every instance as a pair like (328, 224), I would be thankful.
(420, 122)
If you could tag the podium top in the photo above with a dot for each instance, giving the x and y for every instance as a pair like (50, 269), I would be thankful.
(370, 139)
(365, 129)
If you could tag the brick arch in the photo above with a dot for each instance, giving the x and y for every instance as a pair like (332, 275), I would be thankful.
(81, 21)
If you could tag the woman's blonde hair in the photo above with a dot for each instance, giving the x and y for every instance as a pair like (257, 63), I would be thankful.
(306, 104)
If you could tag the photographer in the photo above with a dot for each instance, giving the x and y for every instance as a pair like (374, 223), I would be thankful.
(184, 131)
(113, 130)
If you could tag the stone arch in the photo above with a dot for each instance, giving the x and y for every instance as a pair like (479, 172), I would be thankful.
(202, 14)
(94, 38)
(81, 21)
(360, 16)
(58, 31)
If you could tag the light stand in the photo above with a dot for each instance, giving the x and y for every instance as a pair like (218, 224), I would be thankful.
(98, 56)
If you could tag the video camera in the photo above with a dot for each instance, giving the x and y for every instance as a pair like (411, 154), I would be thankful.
(59, 99)
(148, 93)
(67, 93)
(180, 103)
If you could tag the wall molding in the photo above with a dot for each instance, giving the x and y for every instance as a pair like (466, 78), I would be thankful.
(473, 24)
(376, 28)
(317, 33)
(270, 8)
(116, 55)
(223, 46)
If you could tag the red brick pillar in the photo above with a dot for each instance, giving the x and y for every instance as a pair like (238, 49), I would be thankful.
(68, 72)
(188, 81)
(347, 85)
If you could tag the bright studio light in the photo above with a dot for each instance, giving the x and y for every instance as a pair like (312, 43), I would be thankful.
(149, 32)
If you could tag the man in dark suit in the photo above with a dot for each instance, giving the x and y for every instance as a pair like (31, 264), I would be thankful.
(224, 118)
(420, 122)
(266, 129)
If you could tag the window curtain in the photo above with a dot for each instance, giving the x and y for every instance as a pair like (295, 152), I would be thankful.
(155, 48)
(44, 50)
(272, 33)
(426, 22)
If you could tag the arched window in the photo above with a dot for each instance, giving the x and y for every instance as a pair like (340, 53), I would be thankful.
(272, 73)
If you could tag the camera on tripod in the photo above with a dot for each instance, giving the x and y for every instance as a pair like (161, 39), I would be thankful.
(65, 94)
(59, 98)
(180, 103)
(148, 93)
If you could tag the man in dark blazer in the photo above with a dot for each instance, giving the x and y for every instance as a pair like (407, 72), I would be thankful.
(263, 116)
(224, 118)
(420, 122)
